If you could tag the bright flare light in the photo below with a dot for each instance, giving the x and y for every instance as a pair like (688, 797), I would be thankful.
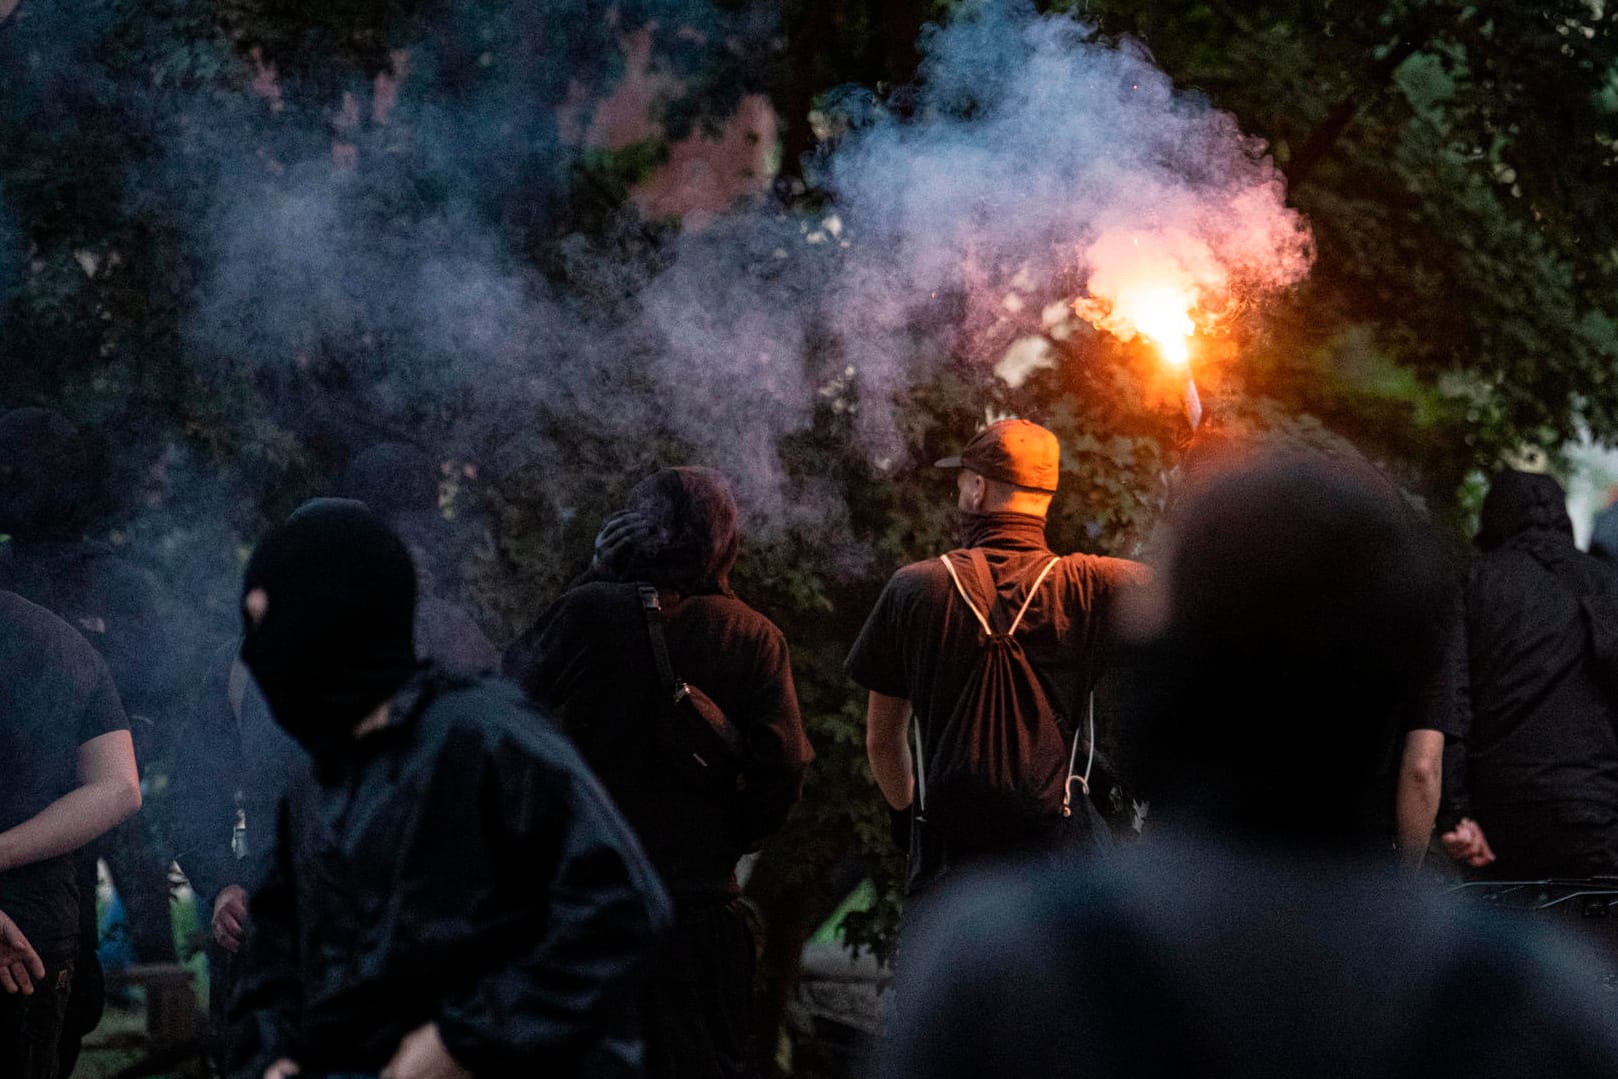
(1161, 313)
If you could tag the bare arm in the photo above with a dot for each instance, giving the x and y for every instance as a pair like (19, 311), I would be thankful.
(887, 725)
(1421, 773)
(108, 792)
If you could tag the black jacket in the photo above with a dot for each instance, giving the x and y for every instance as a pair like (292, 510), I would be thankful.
(463, 867)
(588, 661)
(1536, 725)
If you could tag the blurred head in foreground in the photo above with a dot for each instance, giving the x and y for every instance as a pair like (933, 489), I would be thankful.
(1294, 614)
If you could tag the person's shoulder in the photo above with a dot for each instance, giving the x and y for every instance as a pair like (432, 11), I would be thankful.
(738, 614)
(487, 711)
(43, 633)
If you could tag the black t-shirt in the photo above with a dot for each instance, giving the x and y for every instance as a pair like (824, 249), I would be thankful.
(921, 642)
(588, 662)
(55, 695)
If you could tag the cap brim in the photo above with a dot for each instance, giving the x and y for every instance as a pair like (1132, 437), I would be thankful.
(948, 462)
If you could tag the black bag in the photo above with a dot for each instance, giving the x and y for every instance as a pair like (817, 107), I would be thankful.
(701, 742)
(999, 770)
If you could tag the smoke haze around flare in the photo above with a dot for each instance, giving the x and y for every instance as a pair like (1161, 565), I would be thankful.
(1027, 146)
(1038, 151)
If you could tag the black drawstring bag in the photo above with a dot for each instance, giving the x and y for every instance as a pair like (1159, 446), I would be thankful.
(999, 771)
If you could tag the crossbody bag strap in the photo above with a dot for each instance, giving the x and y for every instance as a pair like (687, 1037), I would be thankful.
(673, 687)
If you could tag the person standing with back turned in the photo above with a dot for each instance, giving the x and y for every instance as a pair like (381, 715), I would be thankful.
(994, 649)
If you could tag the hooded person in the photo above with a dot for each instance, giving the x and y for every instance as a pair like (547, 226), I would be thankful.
(1531, 760)
(660, 583)
(1293, 617)
(47, 490)
(450, 888)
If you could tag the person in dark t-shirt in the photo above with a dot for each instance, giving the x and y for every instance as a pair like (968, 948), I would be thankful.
(589, 661)
(67, 775)
(920, 644)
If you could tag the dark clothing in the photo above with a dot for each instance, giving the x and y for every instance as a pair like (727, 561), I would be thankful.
(459, 866)
(115, 605)
(236, 758)
(236, 761)
(922, 644)
(1536, 723)
(699, 1006)
(588, 661)
(1192, 959)
(55, 695)
(31, 1027)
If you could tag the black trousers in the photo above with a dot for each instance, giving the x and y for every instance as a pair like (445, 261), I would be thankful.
(700, 1005)
(31, 1026)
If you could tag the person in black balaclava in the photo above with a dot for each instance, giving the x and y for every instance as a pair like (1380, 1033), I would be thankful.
(1531, 765)
(450, 891)
(46, 490)
(235, 760)
(1293, 620)
(589, 660)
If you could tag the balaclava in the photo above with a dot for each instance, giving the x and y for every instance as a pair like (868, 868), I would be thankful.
(44, 476)
(336, 639)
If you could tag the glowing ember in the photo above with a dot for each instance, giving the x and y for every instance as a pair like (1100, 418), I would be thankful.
(1149, 284)
(1161, 313)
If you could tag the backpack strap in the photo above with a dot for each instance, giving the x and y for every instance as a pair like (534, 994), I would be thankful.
(672, 685)
(985, 579)
(1072, 758)
(950, 566)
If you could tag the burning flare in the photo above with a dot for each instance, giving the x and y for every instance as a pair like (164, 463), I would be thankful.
(1150, 284)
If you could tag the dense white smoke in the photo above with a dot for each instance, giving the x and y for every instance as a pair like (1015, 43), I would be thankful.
(1034, 163)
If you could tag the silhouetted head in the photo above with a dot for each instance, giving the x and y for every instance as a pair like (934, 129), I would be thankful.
(1520, 504)
(1297, 614)
(329, 603)
(45, 481)
(691, 535)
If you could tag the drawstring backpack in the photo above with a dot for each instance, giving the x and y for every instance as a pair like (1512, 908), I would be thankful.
(999, 771)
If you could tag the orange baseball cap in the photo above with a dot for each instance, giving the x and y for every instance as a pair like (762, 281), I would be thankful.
(1017, 452)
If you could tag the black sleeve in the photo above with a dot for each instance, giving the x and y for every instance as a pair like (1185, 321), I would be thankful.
(878, 659)
(603, 913)
(777, 752)
(268, 991)
(103, 712)
(208, 772)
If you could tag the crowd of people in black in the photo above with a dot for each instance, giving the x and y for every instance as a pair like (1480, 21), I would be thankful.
(417, 858)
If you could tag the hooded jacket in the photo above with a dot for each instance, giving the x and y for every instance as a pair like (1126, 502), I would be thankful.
(588, 661)
(1536, 723)
(459, 866)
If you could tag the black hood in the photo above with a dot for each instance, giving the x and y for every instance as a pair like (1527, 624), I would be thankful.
(1523, 504)
(45, 488)
(694, 537)
(337, 639)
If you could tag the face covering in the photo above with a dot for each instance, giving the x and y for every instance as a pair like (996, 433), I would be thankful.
(336, 640)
